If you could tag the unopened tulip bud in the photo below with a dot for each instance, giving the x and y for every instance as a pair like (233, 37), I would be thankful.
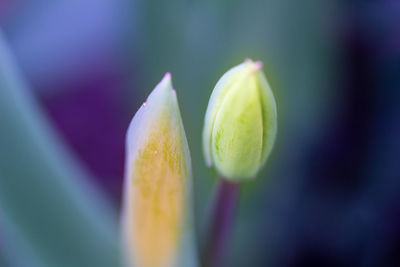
(240, 122)
(157, 205)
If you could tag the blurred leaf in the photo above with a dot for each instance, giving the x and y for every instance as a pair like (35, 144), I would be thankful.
(16, 250)
(3, 261)
(49, 202)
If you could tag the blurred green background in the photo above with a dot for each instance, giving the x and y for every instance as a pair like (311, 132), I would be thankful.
(73, 73)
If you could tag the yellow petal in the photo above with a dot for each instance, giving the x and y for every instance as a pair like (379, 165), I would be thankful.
(156, 181)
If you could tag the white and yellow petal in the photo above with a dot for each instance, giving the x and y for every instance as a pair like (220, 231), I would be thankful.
(157, 204)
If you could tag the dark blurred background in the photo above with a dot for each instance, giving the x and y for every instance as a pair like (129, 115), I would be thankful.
(330, 193)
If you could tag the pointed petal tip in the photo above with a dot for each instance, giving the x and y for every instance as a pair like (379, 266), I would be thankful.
(167, 81)
(257, 65)
(167, 78)
(164, 86)
(254, 65)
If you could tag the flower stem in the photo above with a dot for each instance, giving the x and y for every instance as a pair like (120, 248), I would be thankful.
(222, 219)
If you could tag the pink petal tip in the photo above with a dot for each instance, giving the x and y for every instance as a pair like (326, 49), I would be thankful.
(258, 65)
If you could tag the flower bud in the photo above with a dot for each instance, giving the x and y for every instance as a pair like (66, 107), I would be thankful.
(240, 122)
(156, 204)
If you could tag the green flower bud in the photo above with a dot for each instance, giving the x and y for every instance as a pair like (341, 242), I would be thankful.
(240, 122)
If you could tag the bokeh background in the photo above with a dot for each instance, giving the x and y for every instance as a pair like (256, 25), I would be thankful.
(330, 193)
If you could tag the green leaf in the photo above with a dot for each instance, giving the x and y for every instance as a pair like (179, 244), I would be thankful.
(59, 216)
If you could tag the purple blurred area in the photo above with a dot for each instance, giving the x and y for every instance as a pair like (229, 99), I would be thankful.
(92, 119)
(70, 52)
